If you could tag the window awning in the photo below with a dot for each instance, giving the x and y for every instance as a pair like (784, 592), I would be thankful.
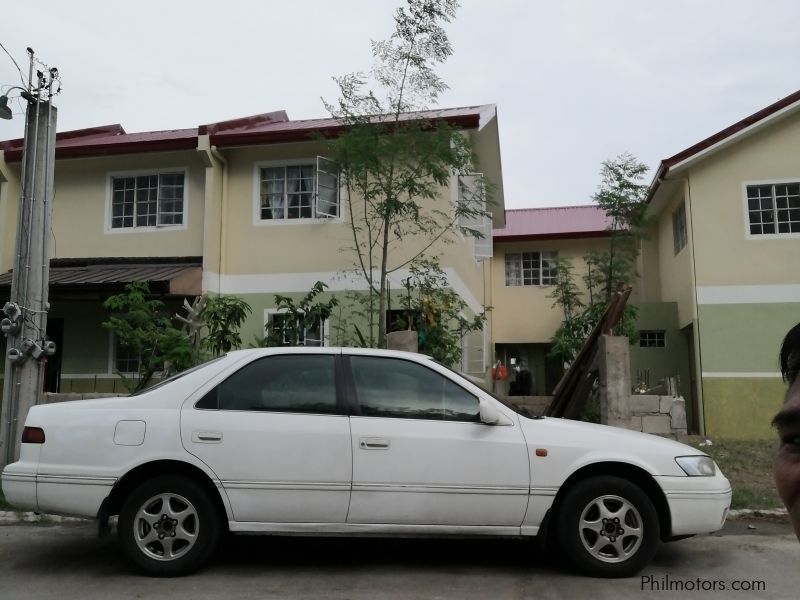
(174, 276)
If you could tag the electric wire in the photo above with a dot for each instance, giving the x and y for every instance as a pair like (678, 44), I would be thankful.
(21, 76)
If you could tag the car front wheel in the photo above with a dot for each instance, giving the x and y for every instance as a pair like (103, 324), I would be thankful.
(168, 526)
(608, 527)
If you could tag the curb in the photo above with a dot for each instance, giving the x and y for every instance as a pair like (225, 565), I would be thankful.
(745, 513)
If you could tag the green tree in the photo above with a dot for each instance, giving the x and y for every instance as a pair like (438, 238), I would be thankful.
(143, 327)
(436, 312)
(393, 166)
(568, 337)
(223, 317)
(623, 197)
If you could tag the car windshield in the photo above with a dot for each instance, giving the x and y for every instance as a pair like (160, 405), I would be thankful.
(177, 376)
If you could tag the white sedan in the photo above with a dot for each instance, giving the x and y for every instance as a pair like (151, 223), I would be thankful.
(354, 442)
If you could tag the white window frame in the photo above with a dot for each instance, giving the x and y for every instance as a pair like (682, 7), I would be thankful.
(315, 161)
(110, 176)
(522, 284)
(483, 247)
(746, 211)
(112, 358)
(680, 237)
(326, 327)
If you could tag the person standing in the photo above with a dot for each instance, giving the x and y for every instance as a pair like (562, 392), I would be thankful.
(787, 422)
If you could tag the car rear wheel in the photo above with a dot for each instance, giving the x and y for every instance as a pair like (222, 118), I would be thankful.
(608, 527)
(168, 526)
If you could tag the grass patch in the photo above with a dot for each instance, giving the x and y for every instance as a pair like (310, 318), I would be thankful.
(748, 466)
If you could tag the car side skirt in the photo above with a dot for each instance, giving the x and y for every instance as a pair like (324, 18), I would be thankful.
(380, 529)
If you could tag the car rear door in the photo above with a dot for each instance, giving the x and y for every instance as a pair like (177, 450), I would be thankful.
(421, 456)
(274, 434)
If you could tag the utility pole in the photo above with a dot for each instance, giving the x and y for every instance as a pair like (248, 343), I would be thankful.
(24, 318)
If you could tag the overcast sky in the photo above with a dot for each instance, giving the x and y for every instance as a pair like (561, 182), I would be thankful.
(575, 81)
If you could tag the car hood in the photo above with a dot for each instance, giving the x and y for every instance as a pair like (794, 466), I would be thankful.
(577, 443)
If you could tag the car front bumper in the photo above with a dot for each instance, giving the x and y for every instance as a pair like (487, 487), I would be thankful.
(696, 504)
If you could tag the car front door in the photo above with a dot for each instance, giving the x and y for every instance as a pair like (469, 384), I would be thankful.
(274, 435)
(421, 456)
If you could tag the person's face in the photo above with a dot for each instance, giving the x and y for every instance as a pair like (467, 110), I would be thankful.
(787, 461)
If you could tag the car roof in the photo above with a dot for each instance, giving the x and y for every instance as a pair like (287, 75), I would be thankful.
(331, 350)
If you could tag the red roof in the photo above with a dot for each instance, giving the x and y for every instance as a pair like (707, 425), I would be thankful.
(721, 136)
(257, 129)
(276, 126)
(559, 222)
(109, 139)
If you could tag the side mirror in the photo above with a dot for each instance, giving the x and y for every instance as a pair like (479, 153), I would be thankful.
(489, 414)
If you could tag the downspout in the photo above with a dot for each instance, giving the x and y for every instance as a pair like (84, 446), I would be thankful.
(222, 221)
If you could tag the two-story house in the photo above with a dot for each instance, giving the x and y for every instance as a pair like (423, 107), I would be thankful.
(718, 288)
(525, 315)
(724, 251)
(246, 207)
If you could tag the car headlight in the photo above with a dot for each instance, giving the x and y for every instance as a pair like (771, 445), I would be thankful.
(697, 466)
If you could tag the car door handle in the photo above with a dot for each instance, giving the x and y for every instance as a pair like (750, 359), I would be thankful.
(207, 437)
(373, 444)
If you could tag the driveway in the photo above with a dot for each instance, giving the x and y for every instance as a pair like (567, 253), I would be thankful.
(67, 561)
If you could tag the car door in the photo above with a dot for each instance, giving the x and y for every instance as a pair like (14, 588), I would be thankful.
(274, 434)
(421, 456)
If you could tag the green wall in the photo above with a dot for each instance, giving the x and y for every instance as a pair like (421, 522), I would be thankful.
(739, 345)
(744, 338)
(671, 360)
(85, 347)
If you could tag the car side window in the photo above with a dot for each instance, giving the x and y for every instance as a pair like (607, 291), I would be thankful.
(297, 383)
(390, 387)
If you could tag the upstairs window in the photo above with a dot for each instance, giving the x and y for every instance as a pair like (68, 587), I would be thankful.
(149, 200)
(472, 193)
(679, 236)
(298, 191)
(773, 209)
(531, 268)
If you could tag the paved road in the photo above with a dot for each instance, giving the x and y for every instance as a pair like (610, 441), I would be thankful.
(67, 561)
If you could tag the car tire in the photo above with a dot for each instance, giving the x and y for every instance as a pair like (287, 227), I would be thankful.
(608, 527)
(168, 526)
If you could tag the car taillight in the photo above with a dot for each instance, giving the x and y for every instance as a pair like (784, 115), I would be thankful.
(33, 435)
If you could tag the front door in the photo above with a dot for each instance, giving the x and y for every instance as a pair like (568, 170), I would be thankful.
(274, 435)
(421, 456)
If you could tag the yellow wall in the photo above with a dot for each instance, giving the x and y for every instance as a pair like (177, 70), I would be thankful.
(9, 209)
(253, 247)
(525, 314)
(724, 255)
(82, 199)
(486, 144)
(278, 247)
(675, 271)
